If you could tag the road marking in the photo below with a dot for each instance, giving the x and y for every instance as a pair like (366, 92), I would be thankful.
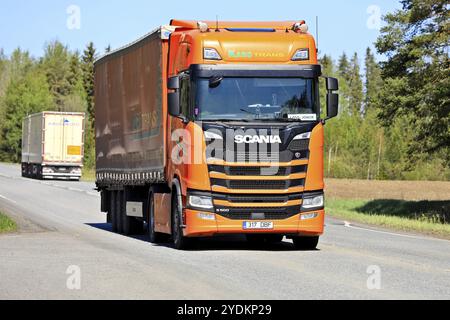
(92, 194)
(7, 199)
(350, 226)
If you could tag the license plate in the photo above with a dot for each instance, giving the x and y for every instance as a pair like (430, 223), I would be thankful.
(257, 225)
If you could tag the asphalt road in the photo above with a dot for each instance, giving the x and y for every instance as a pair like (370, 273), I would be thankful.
(61, 226)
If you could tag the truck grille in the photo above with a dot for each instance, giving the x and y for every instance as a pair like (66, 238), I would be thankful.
(258, 171)
(254, 198)
(258, 184)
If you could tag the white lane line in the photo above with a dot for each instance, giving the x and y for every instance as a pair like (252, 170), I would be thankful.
(92, 194)
(7, 199)
(350, 226)
(74, 189)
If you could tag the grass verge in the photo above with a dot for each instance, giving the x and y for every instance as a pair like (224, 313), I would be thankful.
(6, 224)
(427, 217)
(88, 175)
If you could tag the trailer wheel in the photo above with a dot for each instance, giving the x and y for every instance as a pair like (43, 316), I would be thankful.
(130, 225)
(179, 240)
(155, 237)
(113, 210)
(306, 243)
(39, 175)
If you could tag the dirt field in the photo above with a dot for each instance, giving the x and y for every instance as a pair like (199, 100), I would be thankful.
(399, 190)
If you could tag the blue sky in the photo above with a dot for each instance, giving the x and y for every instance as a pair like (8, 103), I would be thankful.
(347, 25)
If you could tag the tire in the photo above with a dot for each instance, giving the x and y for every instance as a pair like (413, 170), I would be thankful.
(113, 209)
(39, 175)
(24, 170)
(179, 240)
(155, 237)
(130, 225)
(306, 243)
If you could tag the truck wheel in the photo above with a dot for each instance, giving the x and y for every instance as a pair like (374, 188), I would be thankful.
(130, 225)
(155, 237)
(39, 175)
(113, 210)
(180, 241)
(306, 243)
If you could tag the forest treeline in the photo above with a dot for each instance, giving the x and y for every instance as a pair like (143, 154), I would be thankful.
(394, 114)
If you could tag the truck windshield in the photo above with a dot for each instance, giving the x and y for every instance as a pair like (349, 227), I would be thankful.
(234, 99)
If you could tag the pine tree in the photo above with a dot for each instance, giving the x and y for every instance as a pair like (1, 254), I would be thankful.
(373, 81)
(344, 67)
(355, 93)
(343, 74)
(75, 72)
(416, 76)
(88, 80)
(56, 64)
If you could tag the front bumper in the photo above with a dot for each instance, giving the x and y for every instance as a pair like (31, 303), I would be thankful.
(198, 227)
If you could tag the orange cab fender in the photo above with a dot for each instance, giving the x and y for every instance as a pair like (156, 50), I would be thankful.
(176, 187)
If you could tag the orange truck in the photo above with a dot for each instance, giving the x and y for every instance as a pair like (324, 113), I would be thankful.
(214, 128)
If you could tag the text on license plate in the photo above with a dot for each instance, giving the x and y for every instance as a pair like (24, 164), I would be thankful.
(257, 225)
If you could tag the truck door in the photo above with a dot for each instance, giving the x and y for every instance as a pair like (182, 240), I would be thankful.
(53, 140)
(72, 138)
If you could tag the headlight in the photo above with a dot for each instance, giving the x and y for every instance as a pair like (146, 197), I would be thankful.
(211, 54)
(303, 136)
(313, 202)
(209, 135)
(301, 55)
(201, 202)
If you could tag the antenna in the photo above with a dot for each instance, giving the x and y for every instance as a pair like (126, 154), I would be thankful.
(217, 23)
(317, 34)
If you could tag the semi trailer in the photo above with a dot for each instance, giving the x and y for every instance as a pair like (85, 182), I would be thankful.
(214, 128)
(53, 145)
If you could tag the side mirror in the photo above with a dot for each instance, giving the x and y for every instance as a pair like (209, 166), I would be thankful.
(173, 83)
(332, 84)
(332, 105)
(332, 98)
(173, 98)
(173, 101)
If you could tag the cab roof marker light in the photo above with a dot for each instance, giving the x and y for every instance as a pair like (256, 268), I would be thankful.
(211, 54)
(300, 27)
(301, 55)
(202, 26)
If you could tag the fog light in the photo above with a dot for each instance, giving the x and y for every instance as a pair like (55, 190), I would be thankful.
(207, 216)
(309, 216)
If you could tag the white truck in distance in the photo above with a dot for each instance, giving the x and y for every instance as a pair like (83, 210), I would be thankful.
(53, 145)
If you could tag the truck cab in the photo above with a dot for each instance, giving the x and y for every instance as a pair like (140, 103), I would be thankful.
(245, 123)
